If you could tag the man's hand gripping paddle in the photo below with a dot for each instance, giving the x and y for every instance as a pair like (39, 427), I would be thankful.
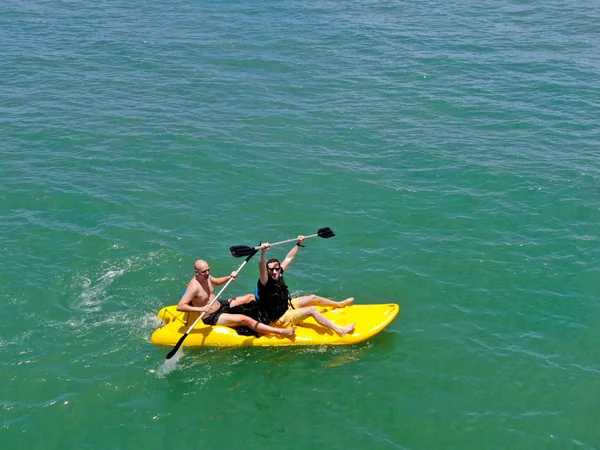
(239, 251)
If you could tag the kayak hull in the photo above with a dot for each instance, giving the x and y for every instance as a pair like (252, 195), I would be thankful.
(369, 319)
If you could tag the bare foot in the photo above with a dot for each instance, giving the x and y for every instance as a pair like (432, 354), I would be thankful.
(345, 302)
(348, 329)
(288, 332)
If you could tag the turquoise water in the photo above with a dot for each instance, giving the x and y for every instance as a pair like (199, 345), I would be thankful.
(453, 147)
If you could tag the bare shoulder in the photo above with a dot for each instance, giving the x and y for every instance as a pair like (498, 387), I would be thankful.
(193, 286)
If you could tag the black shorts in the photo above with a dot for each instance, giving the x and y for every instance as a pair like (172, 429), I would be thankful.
(251, 310)
(212, 319)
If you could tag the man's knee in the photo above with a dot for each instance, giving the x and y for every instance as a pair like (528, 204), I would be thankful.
(311, 310)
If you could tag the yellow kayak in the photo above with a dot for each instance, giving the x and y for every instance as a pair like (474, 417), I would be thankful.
(370, 320)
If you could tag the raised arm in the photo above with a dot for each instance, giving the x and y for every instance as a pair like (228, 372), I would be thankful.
(262, 264)
(292, 253)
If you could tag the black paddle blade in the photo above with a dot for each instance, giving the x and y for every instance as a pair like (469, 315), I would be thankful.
(325, 232)
(172, 352)
(237, 251)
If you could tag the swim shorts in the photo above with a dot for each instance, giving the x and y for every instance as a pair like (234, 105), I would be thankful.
(211, 319)
(248, 309)
(290, 318)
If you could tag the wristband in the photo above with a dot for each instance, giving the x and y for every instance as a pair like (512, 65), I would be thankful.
(298, 244)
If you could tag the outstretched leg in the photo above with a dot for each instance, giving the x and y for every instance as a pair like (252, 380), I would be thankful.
(324, 321)
(236, 320)
(315, 300)
(242, 299)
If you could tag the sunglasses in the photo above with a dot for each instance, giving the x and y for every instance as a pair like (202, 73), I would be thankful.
(274, 269)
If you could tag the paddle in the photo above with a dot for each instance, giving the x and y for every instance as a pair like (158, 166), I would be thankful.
(172, 352)
(238, 251)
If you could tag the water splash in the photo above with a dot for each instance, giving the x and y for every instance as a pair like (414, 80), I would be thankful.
(169, 365)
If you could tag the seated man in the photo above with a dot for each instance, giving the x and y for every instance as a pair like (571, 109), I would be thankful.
(276, 304)
(200, 293)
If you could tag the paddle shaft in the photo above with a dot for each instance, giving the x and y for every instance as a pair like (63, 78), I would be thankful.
(286, 241)
(238, 251)
(189, 330)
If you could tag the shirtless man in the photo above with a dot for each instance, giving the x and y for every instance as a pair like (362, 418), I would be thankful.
(200, 293)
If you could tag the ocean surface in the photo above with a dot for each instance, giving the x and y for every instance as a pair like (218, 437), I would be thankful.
(453, 147)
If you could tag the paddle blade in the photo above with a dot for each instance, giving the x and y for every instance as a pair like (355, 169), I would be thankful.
(172, 352)
(325, 232)
(237, 251)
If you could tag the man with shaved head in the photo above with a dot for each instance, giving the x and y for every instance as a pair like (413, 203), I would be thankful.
(200, 292)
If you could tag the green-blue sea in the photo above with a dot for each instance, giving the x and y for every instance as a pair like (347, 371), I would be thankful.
(452, 146)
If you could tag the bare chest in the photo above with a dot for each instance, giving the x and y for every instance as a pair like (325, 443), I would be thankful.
(204, 294)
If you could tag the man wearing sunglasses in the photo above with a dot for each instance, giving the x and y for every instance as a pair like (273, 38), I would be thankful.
(275, 302)
(200, 292)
